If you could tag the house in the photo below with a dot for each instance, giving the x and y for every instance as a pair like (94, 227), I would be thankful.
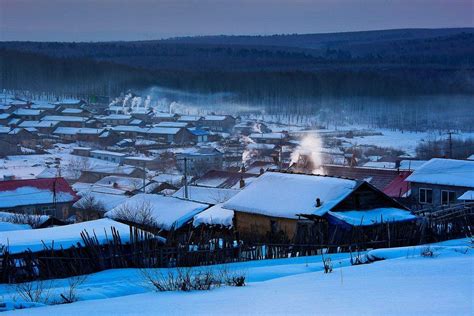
(206, 195)
(67, 120)
(22, 136)
(108, 156)
(218, 123)
(9, 149)
(94, 174)
(225, 179)
(199, 135)
(177, 135)
(173, 124)
(441, 182)
(129, 131)
(75, 112)
(199, 161)
(70, 104)
(283, 207)
(156, 211)
(37, 196)
(28, 114)
(85, 134)
(269, 138)
(390, 181)
(164, 117)
(192, 120)
(115, 119)
(45, 127)
(5, 118)
(143, 162)
(81, 151)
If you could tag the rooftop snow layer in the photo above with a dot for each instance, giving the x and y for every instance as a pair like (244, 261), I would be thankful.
(166, 212)
(215, 215)
(286, 195)
(445, 172)
(62, 236)
(467, 196)
(374, 216)
(207, 195)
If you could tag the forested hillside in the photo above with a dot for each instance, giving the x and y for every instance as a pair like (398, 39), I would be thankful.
(377, 63)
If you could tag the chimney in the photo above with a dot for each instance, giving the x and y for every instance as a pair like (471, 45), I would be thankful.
(242, 182)
(261, 171)
(318, 202)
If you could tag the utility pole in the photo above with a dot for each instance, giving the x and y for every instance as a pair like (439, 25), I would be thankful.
(144, 177)
(185, 177)
(450, 140)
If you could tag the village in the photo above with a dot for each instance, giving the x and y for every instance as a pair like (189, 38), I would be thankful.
(91, 185)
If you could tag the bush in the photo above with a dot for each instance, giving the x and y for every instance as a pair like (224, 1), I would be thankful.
(189, 279)
(427, 252)
(34, 292)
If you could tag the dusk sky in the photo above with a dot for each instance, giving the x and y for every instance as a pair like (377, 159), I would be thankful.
(86, 20)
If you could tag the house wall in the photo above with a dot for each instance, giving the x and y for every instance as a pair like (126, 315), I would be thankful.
(436, 189)
(60, 210)
(255, 227)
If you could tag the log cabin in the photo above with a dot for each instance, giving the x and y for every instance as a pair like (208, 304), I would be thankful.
(281, 207)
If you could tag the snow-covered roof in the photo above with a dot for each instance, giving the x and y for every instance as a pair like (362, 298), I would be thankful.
(215, 117)
(286, 195)
(62, 236)
(467, 196)
(215, 215)
(163, 115)
(374, 216)
(27, 112)
(108, 153)
(117, 117)
(72, 111)
(4, 116)
(169, 178)
(166, 212)
(35, 191)
(64, 118)
(189, 118)
(128, 128)
(37, 124)
(445, 172)
(68, 101)
(171, 124)
(107, 201)
(380, 164)
(206, 194)
(411, 164)
(164, 130)
(267, 135)
(471, 157)
(78, 130)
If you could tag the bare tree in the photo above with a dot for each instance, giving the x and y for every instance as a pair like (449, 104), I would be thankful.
(139, 213)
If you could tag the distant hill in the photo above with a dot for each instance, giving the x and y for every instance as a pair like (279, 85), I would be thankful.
(389, 62)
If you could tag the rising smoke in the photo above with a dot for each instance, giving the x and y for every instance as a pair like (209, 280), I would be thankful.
(308, 153)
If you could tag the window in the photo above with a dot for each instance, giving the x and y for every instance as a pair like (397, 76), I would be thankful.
(447, 197)
(426, 196)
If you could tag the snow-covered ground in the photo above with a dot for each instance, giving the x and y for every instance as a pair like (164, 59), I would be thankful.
(405, 283)
(405, 141)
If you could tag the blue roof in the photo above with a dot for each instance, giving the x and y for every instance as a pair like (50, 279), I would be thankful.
(198, 132)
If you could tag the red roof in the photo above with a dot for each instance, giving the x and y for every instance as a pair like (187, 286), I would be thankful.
(398, 187)
(58, 184)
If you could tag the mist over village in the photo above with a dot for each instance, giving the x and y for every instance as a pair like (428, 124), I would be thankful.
(237, 157)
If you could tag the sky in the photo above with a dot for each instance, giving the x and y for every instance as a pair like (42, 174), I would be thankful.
(105, 20)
